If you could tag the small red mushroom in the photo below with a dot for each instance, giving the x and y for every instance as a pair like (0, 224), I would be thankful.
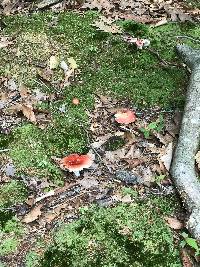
(76, 163)
(125, 116)
(75, 101)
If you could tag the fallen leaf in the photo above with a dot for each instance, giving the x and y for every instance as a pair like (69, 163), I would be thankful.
(166, 158)
(33, 214)
(23, 90)
(53, 62)
(72, 63)
(88, 182)
(174, 223)
(4, 42)
(101, 25)
(28, 112)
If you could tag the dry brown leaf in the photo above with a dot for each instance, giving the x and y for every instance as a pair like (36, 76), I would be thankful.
(4, 42)
(88, 182)
(28, 112)
(174, 223)
(166, 157)
(100, 141)
(115, 156)
(185, 258)
(24, 91)
(49, 217)
(98, 4)
(107, 25)
(134, 162)
(164, 139)
(33, 214)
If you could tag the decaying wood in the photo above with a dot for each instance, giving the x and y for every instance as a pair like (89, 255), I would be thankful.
(183, 170)
(47, 3)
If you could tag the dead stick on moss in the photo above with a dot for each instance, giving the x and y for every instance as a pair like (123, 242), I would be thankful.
(188, 37)
(47, 3)
(164, 62)
(183, 166)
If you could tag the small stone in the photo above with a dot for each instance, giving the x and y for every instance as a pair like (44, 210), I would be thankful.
(128, 177)
(10, 170)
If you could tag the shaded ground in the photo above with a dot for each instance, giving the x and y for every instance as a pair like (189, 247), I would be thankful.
(106, 66)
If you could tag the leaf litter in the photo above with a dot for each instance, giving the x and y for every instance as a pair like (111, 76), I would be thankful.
(136, 161)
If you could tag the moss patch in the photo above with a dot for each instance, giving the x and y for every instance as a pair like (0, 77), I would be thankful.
(106, 64)
(120, 236)
(11, 232)
(11, 194)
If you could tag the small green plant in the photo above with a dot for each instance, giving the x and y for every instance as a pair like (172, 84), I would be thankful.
(159, 178)
(191, 242)
(157, 126)
(129, 191)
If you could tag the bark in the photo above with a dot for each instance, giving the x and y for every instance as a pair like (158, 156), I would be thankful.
(183, 170)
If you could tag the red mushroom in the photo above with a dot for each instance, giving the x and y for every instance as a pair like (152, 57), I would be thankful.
(125, 116)
(76, 163)
(75, 101)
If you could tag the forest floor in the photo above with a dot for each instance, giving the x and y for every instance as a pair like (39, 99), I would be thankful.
(64, 76)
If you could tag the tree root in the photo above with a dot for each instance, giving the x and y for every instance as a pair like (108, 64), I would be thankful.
(182, 169)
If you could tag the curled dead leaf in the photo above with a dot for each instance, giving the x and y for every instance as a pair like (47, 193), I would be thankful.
(174, 223)
(28, 112)
(33, 214)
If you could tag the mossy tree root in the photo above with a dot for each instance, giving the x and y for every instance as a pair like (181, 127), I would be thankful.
(183, 170)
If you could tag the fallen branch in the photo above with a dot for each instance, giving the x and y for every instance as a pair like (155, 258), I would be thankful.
(188, 37)
(182, 169)
(47, 3)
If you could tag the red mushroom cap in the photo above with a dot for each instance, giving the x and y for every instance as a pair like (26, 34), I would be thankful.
(76, 163)
(125, 116)
(75, 101)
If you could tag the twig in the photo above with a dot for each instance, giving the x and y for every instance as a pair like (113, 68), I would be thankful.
(94, 150)
(188, 37)
(41, 83)
(164, 62)
(47, 3)
(4, 150)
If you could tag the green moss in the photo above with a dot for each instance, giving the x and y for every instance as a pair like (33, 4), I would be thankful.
(10, 232)
(193, 3)
(12, 193)
(134, 235)
(135, 28)
(114, 143)
(32, 148)
(30, 154)
(106, 64)
(8, 246)
(32, 259)
(123, 70)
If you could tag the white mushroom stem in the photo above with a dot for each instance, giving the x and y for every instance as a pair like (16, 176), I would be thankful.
(77, 173)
